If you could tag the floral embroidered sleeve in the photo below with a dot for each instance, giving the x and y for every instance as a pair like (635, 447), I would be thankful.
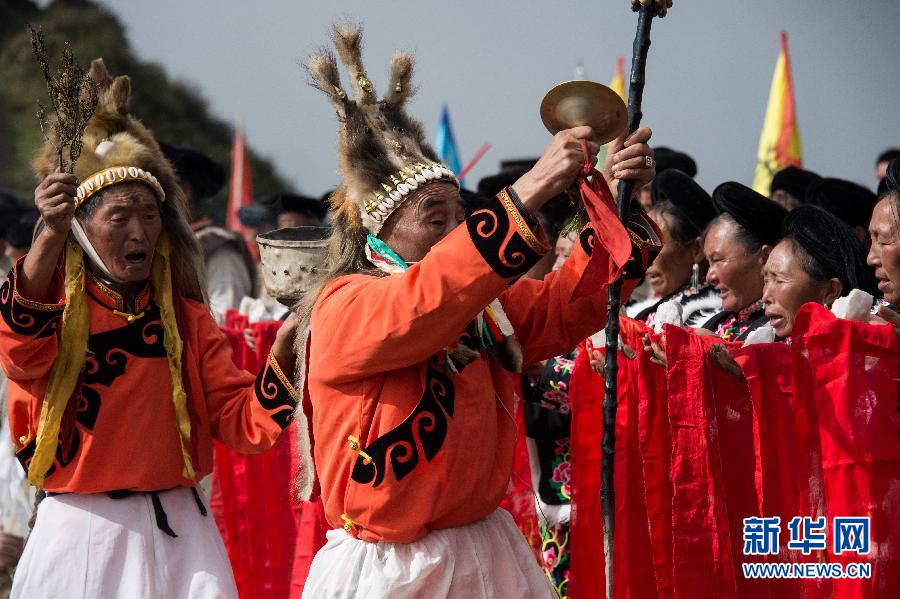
(28, 339)
(371, 325)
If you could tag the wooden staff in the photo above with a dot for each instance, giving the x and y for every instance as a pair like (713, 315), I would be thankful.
(646, 9)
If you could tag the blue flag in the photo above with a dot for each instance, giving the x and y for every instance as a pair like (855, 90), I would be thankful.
(445, 144)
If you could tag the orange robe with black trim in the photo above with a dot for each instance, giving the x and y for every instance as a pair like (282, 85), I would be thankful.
(436, 449)
(118, 430)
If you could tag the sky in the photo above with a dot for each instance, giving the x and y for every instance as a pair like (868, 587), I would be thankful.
(708, 75)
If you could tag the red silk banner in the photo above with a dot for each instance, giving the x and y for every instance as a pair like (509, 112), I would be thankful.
(270, 540)
(812, 431)
(519, 498)
(587, 577)
(634, 574)
(853, 371)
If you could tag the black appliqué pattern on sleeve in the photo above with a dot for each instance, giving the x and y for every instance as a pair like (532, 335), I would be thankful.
(426, 427)
(587, 239)
(274, 391)
(646, 243)
(637, 266)
(27, 318)
(508, 246)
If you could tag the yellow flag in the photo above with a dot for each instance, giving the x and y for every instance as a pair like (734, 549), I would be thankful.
(618, 81)
(779, 143)
(617, 85)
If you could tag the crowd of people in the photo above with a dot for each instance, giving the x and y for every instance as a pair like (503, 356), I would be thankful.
(740, 266)
(439, 319)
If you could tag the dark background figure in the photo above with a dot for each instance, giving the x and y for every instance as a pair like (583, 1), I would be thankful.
(257, 218)
(851, 203)
(667, 158)
(883, 160)
(16, 228)
(891, 181)
(230, 270)
(789, 186)
(19, 234)
(294, 210)
(11, 207)
(200, 177)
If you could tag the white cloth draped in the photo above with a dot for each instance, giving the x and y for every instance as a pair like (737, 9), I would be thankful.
(92, 546)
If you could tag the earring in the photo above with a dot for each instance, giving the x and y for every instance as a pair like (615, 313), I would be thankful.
(695, 278)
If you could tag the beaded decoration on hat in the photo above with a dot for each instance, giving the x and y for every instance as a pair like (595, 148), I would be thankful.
(114, 175)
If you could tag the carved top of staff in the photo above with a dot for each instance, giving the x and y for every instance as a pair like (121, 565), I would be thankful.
(661, 6)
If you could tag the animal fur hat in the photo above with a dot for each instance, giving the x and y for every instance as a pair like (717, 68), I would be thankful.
(114, 138)
(383, 154)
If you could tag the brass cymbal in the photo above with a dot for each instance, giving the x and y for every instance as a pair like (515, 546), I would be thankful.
(577, 103)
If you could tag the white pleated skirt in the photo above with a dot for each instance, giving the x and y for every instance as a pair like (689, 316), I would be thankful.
(488, 559)
(92, 546)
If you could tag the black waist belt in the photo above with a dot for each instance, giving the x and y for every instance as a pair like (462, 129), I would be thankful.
(162, 520)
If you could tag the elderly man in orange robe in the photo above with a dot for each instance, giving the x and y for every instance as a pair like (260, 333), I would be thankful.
(119, 378)
(411, 342)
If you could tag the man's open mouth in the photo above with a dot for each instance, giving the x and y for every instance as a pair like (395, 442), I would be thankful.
(136, 257)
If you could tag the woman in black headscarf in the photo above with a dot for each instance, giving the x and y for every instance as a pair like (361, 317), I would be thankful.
(682, 209)
(737, 244)
(818, 260)
(851, 203)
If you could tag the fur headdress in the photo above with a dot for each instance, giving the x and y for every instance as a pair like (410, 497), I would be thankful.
(383, 154)
(117, 148)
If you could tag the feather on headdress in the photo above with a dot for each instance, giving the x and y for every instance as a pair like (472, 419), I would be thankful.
(383, 154)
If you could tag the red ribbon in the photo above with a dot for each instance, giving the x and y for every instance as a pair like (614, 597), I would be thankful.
(606, 266)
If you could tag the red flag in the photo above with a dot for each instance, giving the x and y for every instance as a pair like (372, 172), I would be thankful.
(240, 185)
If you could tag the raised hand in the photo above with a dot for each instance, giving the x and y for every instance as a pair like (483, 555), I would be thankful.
(557, 167)
(285, 338)
(721, 356)
(54, 198)
(657, 351)
(630, 158)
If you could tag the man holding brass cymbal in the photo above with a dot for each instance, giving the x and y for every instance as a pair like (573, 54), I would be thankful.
(410, 341)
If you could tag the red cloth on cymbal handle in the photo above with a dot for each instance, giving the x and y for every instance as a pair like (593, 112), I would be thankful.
(605, 266)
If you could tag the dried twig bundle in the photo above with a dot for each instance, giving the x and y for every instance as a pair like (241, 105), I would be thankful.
(73, 99)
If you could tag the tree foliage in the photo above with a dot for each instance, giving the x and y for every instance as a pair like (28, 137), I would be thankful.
(175, 111)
